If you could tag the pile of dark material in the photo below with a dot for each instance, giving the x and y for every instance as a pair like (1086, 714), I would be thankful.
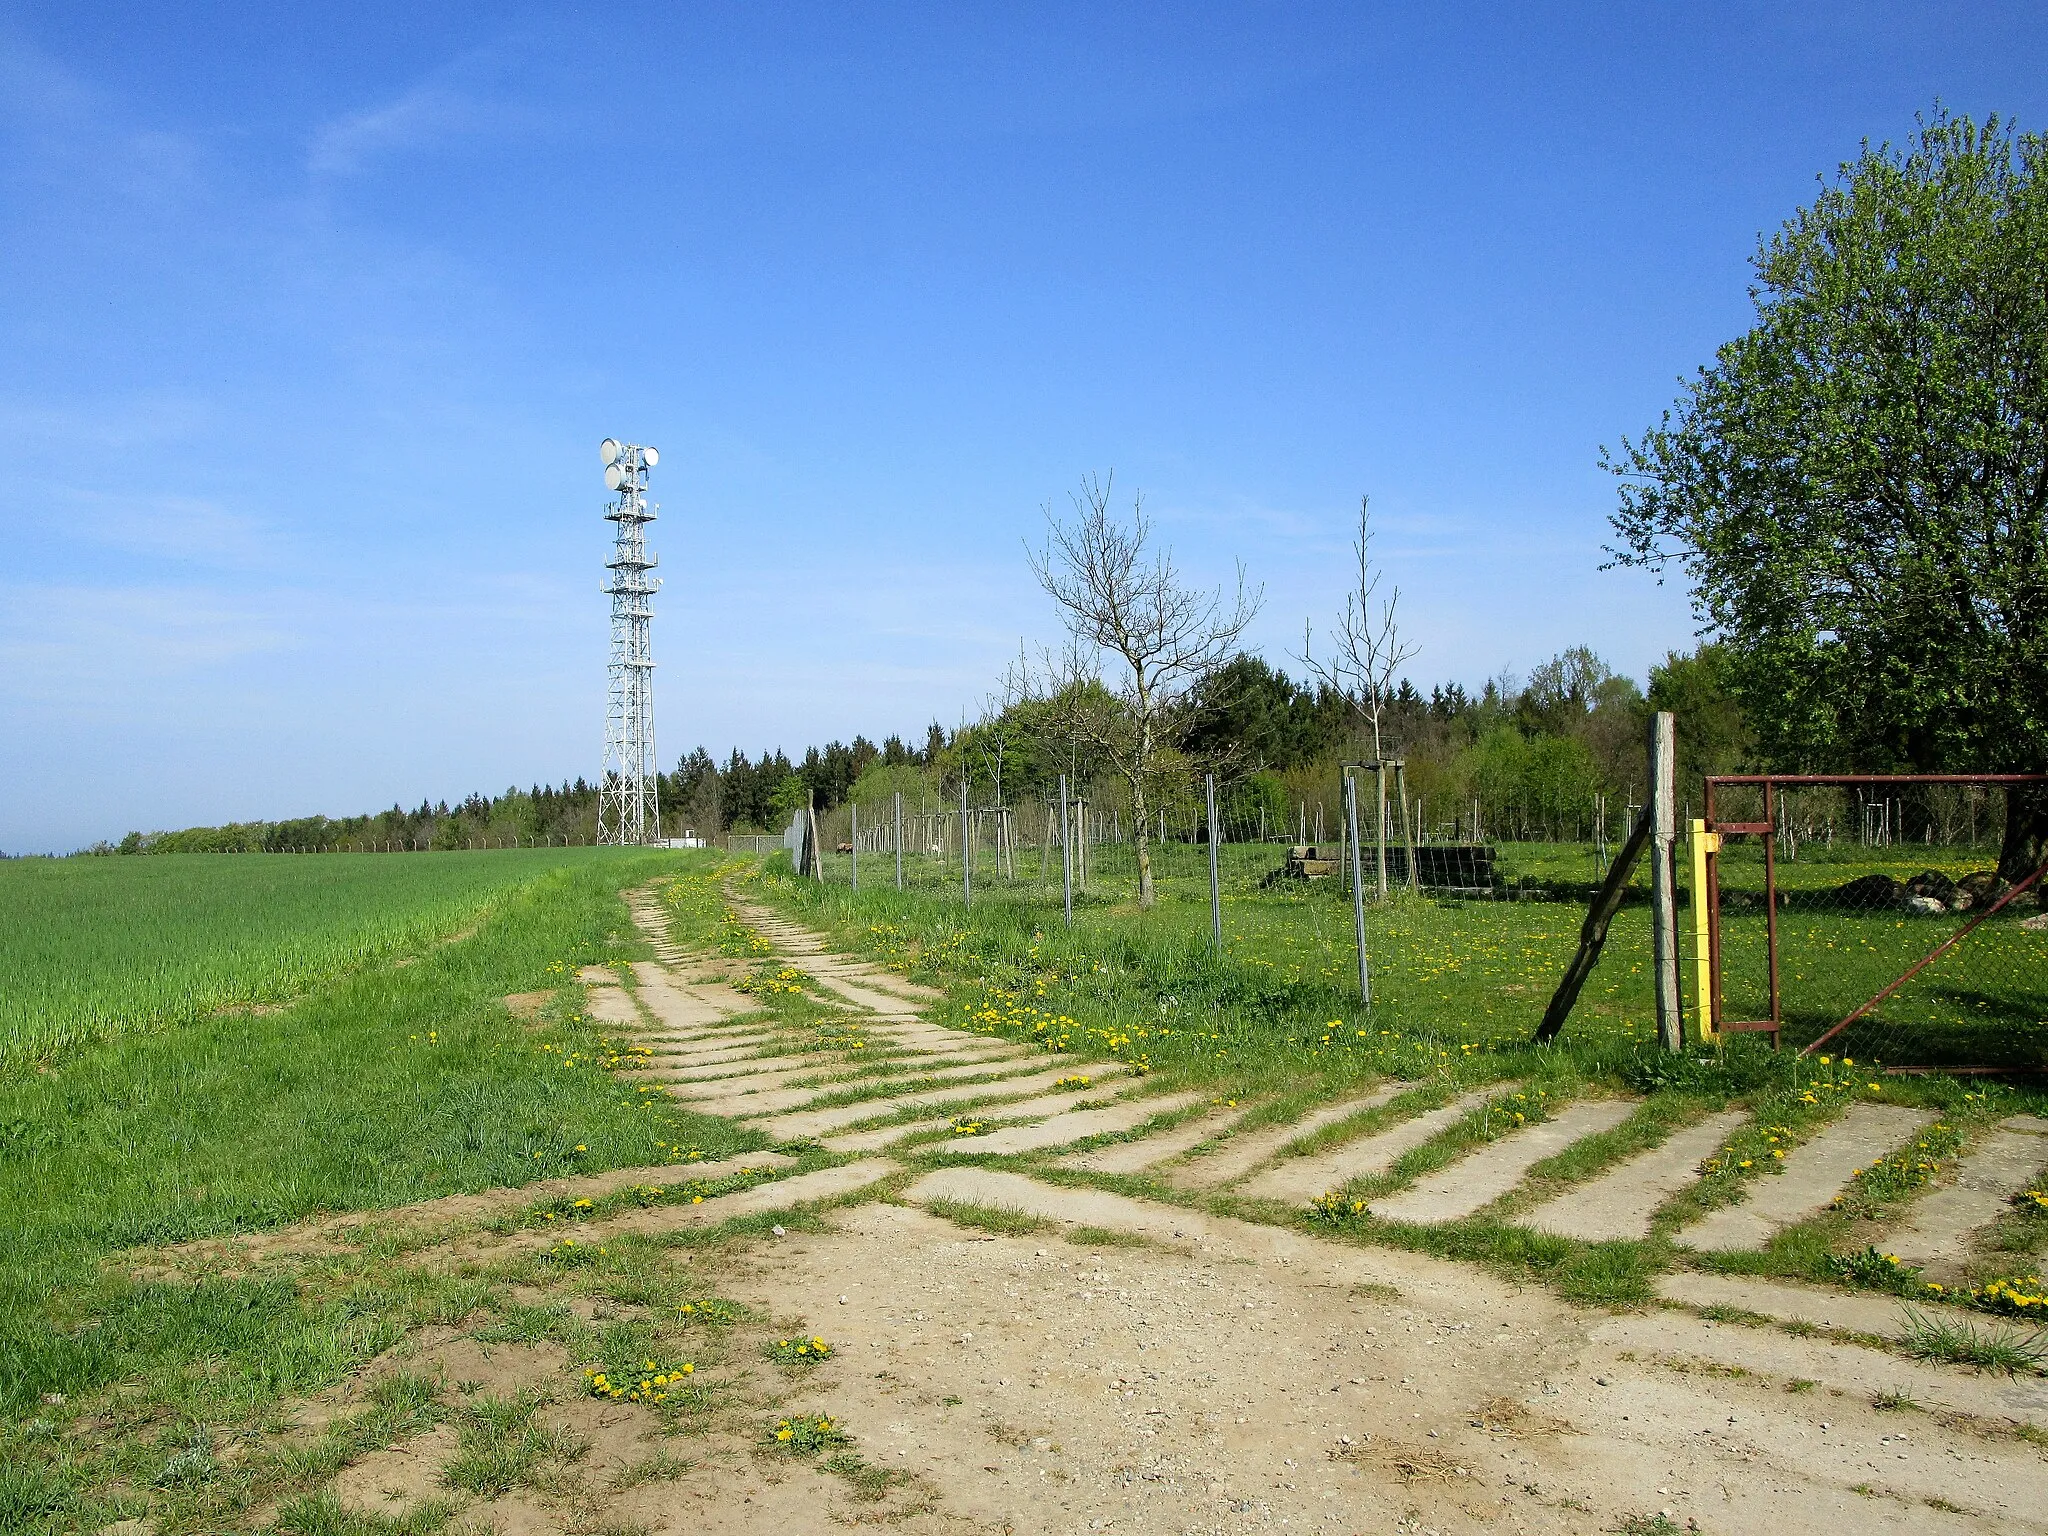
(1927, 893)
(1446, 866)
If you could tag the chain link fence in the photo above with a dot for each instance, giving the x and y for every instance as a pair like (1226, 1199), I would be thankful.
(1265, 843)
(1867, 916)
(1476, 928)
(1858, 916)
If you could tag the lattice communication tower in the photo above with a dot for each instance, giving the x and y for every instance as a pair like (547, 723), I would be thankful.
(628, 797)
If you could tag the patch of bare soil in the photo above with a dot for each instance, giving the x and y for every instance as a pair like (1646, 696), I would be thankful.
(527, 1005)
(441, 943)
(469, 1366)
(1233, 1379)
(716, 968)
(398, 1479)
(1175, 1388)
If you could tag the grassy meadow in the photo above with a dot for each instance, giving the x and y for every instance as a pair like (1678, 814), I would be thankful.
(389, 1069)
(1984, 1002)
(1279, 1005)
(1478, 972)
(398, 1079)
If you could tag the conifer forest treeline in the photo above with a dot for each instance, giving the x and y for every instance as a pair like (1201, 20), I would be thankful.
(1533, 754)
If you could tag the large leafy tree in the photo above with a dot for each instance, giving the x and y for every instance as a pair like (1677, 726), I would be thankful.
(1856, 486)
(1713, 736)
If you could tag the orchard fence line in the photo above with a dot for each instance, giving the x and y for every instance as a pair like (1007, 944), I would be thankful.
(1885, 927)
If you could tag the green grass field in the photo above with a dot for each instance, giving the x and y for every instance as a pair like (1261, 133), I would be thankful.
(1279, 1004)
(387, 1069)
(391, 1082)
(1458, 985)
(1985, 1002)
(95, 947)
(1480, 971)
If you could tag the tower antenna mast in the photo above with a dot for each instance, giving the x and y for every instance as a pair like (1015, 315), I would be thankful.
(628, 794)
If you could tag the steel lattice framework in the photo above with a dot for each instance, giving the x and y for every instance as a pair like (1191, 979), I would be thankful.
(628, 797)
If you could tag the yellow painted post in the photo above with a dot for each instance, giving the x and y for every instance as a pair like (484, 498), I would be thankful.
(1703, 843)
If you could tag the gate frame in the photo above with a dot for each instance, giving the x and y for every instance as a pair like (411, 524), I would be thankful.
(1708, 832)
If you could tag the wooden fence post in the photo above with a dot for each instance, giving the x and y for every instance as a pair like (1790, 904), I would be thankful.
(1379, 781)
(1663, 885)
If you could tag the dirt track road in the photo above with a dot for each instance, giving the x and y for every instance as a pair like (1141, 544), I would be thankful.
(1131, 1365)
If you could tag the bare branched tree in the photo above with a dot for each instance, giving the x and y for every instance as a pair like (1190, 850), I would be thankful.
(1123, 599)
(1050, 700)
(1369, 648)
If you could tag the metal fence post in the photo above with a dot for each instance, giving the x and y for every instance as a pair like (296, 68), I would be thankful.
(1066, 851)
(899, 839)
(1408, 828)
(966, 874)
(1215, 891)
(1357, 887)
(853, 844)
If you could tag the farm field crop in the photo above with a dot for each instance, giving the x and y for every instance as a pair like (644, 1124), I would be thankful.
(92, 947)
(391, 1082)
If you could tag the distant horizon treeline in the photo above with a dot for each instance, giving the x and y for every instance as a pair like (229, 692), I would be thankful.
(1533, 755)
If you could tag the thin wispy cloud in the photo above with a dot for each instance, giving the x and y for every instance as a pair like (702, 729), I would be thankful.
(184, 528)
(472, 96)
(1263, 523)
(108, 422)
(36, 90)
(428, 113)
(61, 131)
(61, 644)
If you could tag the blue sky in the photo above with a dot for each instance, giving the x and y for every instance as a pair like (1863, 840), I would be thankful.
(311, 319)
